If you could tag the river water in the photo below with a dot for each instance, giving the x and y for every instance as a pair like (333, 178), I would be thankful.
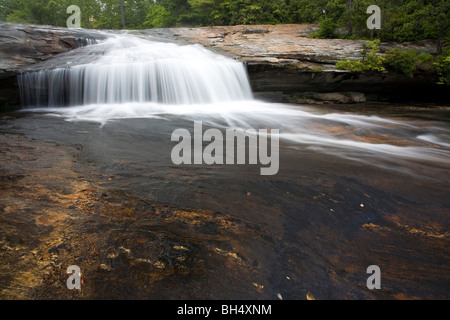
(356, 186)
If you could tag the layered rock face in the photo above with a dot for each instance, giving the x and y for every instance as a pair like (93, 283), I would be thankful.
(283, 63)
(22, 46)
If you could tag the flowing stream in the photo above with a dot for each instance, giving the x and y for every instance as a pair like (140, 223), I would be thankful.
(133, 77)
(89, 159)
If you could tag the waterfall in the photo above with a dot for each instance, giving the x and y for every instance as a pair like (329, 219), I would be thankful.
(129, 77)
(138, 70)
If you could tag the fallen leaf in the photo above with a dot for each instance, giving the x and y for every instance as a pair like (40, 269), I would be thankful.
(114, 204)
(178, 247)
(258, 286)
(68, 196)
(309, 296)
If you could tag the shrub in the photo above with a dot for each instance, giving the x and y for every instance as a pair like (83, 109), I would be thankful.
(443, 69)
(355, 66)
(425, 63)
(326, 31)
(409, 62)
(159, 17)
(371, 61)
(401, 61)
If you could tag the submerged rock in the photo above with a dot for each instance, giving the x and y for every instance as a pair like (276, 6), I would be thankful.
(333, 97)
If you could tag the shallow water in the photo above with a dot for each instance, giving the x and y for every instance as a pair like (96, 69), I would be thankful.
(88, 179)
(389, 141)
(353, 189)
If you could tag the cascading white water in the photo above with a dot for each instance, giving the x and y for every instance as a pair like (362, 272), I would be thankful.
(139, 70)
(130, 77)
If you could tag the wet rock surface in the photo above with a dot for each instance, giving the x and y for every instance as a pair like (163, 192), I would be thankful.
(282, 61)
(286, 44)
(25, 45)
(109, 200)
(128, 247)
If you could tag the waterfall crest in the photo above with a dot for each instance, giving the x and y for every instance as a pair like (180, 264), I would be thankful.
(138, 70)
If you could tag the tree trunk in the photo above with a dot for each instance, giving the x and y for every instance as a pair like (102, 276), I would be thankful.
(440, 42)
(349, 4)
(122, 13)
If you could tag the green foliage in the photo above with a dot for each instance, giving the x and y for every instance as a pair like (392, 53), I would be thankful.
(235, 12)
(371, 64)
(415, 20)
(327, 29)
(158, 17)
(316, 69)
(409, 62)
(371, 60)
(108, 15)
(351, 65)
(443, 68)
(403, 20)
(19, 16)
(424, 62)
(402, 61)
(48, 12)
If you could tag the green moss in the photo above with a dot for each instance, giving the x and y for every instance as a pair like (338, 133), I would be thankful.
(316, 69)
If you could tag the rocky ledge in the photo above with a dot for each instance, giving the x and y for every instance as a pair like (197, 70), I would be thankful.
(283, 63)
(25, 45)
(286, 65)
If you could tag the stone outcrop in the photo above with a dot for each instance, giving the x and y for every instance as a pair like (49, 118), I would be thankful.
(283, 63)
(25, 45)
(270, 44)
